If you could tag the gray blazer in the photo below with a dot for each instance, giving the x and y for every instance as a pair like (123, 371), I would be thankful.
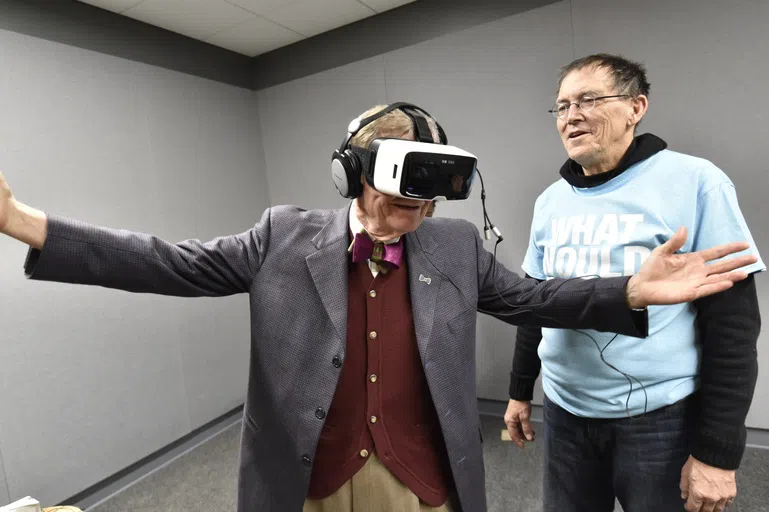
(293, 264)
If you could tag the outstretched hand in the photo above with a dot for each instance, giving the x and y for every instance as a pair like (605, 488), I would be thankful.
(670, 278)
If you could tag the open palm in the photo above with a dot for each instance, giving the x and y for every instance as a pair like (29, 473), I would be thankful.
(670, 278)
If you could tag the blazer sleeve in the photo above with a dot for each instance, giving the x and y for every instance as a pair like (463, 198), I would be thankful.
(597, 304)
(78, 253)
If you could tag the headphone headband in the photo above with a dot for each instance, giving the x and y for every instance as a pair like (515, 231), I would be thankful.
(407, 108)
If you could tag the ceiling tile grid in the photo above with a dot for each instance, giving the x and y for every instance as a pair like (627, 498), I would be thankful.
(249, 27)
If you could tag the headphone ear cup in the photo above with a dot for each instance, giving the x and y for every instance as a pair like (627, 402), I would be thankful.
(354, 174)
(345, 171)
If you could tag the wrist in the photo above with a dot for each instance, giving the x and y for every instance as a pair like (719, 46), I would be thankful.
(633, 294)
(12, 216)
(26, 224)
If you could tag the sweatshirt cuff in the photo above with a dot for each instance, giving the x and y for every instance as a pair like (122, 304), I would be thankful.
(522, 388)
(719, 450)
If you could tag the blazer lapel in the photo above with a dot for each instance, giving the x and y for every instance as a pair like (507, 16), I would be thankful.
(328, 267)
(424, 283)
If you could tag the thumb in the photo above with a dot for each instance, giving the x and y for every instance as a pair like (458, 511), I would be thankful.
(676, 241)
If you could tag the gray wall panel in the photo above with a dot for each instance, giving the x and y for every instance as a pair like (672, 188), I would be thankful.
(4, 496)
(305, 120)
(96, 379)
(402, 27)
(707, 63)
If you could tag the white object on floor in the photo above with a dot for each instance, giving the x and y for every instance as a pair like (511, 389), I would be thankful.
(27, 504)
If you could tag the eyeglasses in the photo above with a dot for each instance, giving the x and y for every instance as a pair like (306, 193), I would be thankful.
(586, 103)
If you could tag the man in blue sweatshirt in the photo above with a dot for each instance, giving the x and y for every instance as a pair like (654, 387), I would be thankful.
(657, 423)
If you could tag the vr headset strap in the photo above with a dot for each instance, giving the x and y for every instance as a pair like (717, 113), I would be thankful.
(420, 123)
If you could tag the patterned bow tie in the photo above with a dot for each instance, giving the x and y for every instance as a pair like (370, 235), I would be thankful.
(364, 248)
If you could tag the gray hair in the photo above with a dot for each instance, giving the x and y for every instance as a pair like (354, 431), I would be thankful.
(629, 77)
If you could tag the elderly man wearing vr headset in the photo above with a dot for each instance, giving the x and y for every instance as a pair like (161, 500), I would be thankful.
(362, 392)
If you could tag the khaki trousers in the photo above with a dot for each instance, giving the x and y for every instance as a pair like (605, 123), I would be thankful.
(372, 489)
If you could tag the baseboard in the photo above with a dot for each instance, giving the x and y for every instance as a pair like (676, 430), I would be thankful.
(757, 437)
(112, 485)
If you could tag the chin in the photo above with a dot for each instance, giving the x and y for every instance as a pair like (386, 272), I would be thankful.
(405, 225)
(579, 154)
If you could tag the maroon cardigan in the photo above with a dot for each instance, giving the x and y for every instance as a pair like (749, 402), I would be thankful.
(382, 403)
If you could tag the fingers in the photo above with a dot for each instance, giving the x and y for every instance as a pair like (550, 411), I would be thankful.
(527, 430)
(676, 241)
(710, 289)
(720, 251)
(694, 503)
(732, 277)
(721, 505)
(731, 264)
(519, 428)
(513, 428)
(684, 486)
(515, 435)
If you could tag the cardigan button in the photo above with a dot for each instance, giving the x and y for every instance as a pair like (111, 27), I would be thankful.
(337, 362)
(320, 414)
(306, 460)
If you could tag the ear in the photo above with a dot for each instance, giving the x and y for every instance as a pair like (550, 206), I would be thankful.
(640, 105)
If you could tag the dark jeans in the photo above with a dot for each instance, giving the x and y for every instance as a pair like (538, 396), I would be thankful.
(589, 462)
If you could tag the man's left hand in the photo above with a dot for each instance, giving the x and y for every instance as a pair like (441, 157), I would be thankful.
(706, 488)
(670, 278)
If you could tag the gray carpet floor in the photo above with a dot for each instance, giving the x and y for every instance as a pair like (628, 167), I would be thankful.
(206, 478)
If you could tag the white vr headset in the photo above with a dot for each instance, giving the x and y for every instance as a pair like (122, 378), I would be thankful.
(420, 169)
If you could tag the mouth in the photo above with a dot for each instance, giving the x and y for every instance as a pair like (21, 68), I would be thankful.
(576, 135)
(407, 207)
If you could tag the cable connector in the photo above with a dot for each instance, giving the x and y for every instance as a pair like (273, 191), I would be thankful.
(486, 233)
(497, 232)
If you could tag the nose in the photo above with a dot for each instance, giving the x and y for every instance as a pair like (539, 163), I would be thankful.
(577, 110)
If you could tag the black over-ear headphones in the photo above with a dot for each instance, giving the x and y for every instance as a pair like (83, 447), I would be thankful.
(346, 165)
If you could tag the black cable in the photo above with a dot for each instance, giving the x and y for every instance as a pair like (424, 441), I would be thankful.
(487, 224)
(626, 375)
(493, 269)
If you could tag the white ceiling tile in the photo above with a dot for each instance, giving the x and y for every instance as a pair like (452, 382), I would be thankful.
(113, 5)
(385, 5)
(312, 17)
(260, 6)
(255, 37)
(194, 18)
